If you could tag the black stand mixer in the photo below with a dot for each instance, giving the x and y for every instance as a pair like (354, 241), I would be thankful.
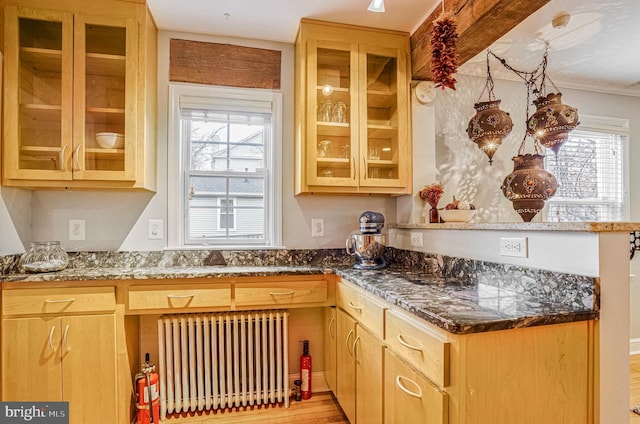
(369, 244)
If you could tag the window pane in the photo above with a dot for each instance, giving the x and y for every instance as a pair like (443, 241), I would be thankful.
(221, 141)
(590, 173)
(226, 208)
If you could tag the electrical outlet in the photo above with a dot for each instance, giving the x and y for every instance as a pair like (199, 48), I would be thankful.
(155, 229)
(514, 246)
(317, 227)
(416, 239)
(76, 229)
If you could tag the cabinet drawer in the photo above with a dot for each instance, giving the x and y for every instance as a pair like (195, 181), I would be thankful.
(58, 301)
(421, 348)
(178, 297)
(409, 397)
(362, 307)
(272, 293)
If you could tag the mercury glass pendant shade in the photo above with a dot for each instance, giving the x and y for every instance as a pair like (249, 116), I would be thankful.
(376, 6)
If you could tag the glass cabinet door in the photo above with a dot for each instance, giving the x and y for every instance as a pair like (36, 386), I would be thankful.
(38, 101)
(383, 139)
(331, 114)
(105, 126)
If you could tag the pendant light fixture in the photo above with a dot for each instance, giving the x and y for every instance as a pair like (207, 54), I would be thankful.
(490, 125)
(376, 6)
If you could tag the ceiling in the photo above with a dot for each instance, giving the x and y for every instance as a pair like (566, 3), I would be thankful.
(597, 49)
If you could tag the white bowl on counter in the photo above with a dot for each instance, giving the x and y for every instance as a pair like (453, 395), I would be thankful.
(110, 140)
(456, 215)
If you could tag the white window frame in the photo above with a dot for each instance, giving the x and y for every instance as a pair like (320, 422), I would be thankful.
(176, 184)
(608, 125)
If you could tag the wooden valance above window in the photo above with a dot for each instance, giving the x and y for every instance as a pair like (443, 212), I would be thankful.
(224, 64)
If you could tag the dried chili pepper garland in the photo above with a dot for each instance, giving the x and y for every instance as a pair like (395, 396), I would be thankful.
(444, 62)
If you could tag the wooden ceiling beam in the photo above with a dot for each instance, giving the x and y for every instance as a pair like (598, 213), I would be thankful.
(480, 23)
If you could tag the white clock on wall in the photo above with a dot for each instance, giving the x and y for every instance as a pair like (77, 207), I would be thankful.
(425, 91)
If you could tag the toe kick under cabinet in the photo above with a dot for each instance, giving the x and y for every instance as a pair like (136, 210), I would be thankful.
(541, 374)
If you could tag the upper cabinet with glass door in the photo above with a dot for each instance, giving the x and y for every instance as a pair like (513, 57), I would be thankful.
(75, 103)
(352, 122)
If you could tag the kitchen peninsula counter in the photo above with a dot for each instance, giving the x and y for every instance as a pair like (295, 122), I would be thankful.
(457, 305)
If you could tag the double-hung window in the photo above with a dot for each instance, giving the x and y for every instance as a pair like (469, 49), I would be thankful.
(227, 145)
(591, 170)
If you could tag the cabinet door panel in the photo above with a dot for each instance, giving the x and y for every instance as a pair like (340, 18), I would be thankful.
(368, 353)
(89, 368)
(105, 60)
(409, 397)
(38, 99)
(384, 148)
(330, 345)
(31, 359)
(331, 135)
(346, 375)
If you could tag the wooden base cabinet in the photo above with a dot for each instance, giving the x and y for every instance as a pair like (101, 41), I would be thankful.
(409, 397)
(532, 375)
(330, 346)
(359, 356)
(48, 356)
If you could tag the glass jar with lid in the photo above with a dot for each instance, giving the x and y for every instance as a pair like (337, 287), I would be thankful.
(44, 256)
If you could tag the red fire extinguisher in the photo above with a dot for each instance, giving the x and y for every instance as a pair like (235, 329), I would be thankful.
(305, 370)
(147, 394)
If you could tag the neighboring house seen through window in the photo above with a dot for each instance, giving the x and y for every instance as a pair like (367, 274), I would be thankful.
(230, 180)
(591, 170)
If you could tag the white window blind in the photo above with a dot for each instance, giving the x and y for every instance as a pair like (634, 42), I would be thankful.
(590, 170)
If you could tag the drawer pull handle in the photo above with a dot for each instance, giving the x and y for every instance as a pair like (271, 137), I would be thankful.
(53, 329)
(407, 391)
(71, 299)
(410, 346)
(63, 166)
(357, 308)
(355, 344)
(332, 323)
(180, 296)
(287, 293)
(64, 338)
(76, 155)
(346, 342)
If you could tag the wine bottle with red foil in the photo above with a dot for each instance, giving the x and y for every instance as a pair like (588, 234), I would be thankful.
(305, 370)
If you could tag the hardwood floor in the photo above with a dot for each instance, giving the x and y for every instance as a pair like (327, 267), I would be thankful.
(322, 408)
(634, 392)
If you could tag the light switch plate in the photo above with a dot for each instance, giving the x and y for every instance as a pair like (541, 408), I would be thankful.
(317, 227)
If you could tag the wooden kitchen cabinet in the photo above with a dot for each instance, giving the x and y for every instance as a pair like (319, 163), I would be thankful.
(330, 317)
(50, 356)
(69, 75)
(432, 376)
(409, 397)
(352, 117)
(359, 356)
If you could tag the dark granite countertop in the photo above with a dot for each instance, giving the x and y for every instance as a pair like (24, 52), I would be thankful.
(461, 307)
(165, 273)
(458, 306)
